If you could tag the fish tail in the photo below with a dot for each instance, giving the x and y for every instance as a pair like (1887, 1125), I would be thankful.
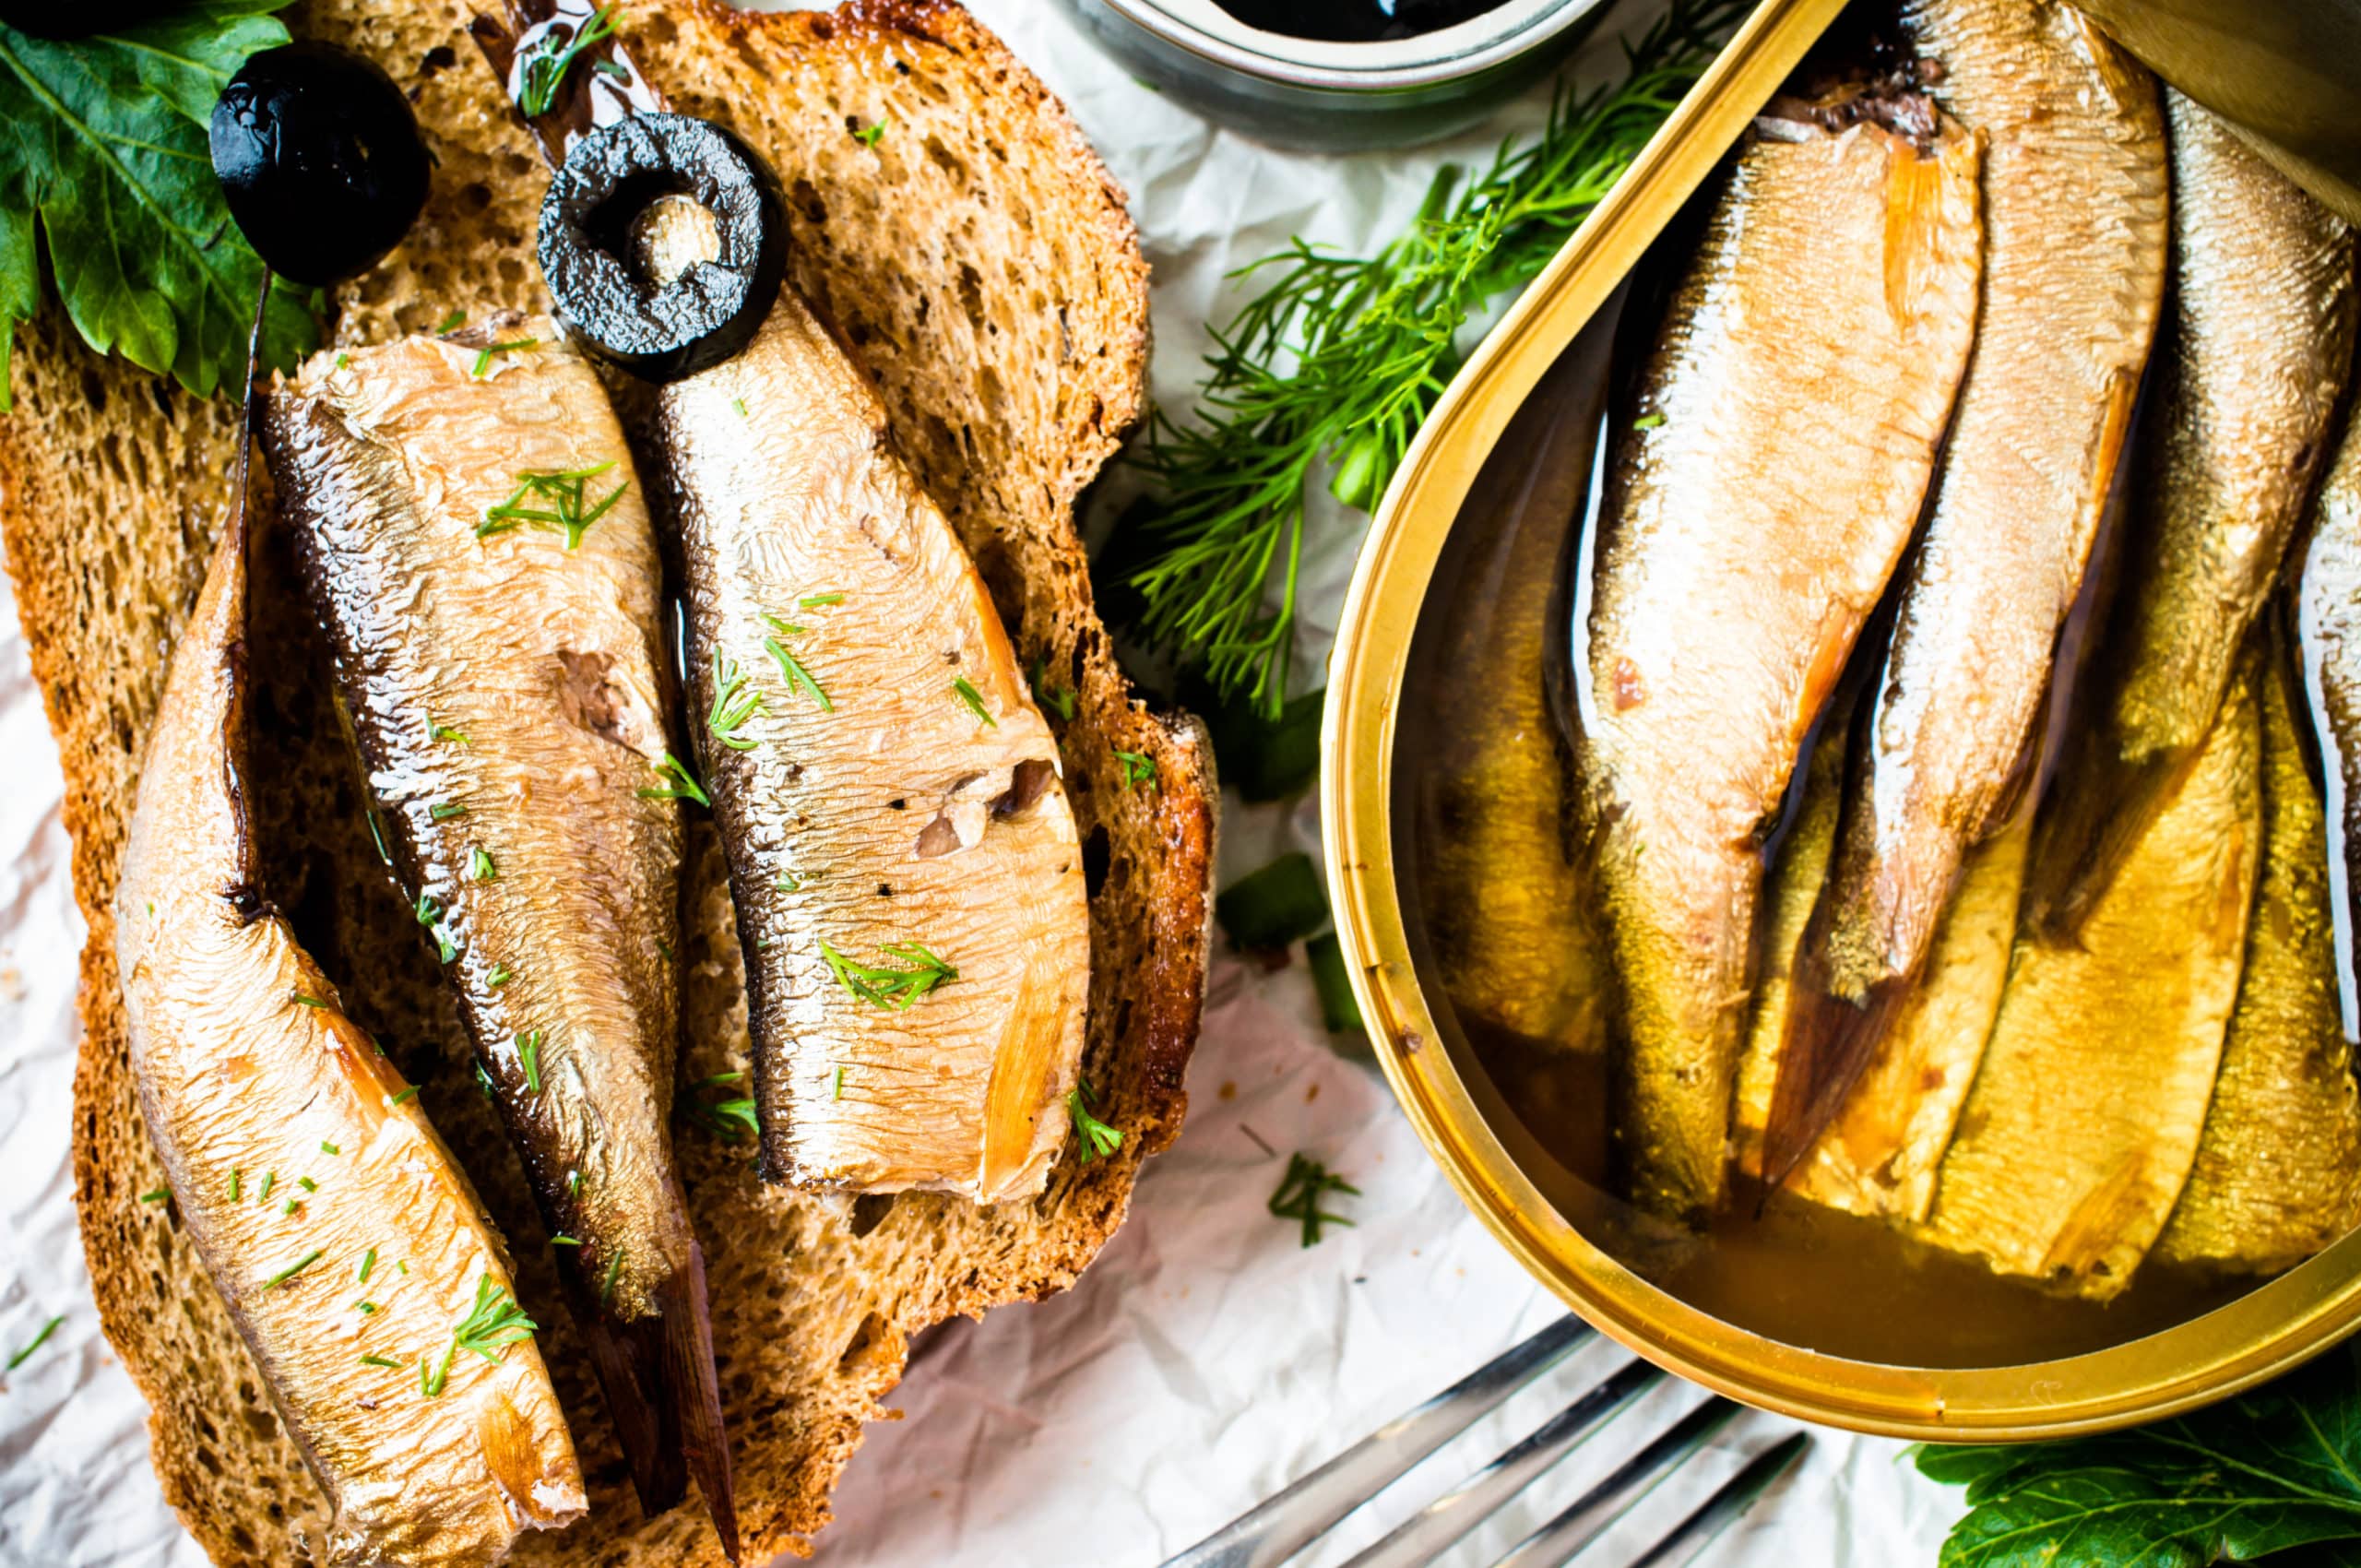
(2094, 825)
(695, 1395)
(664, 1397)
(1831, 1039)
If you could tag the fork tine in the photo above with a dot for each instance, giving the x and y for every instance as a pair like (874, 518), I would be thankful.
(1722, 1510)
(1428, 1532)
(1276, 1531)
(1591, 1514)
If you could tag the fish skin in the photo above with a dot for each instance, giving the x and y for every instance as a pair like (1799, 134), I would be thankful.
(2075, 219)
(2327, 616)
(1686, 743)
(517, 678)
(2278, 1169)
(235, 1074)
(2084, 1122)
(1879, 1157)
(896, 814)
(2259, 336)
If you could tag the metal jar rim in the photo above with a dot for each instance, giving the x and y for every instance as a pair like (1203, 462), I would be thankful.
(1470, 48)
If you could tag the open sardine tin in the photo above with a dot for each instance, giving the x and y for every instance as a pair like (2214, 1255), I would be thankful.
(1440, 702)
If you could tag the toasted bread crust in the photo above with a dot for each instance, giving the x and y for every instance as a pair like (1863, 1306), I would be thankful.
(983, 271)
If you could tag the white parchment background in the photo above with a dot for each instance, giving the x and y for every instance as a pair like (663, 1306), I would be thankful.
(1207, 1358)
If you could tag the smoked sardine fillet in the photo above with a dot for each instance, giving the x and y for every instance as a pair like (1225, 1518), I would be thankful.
(2278, 1172)
(477, 546)
(906, 871)
(326, 1210)
(2256, 343)
(1811, 351)
(2075, 217)
(1879, 1157)
(2084, 1122)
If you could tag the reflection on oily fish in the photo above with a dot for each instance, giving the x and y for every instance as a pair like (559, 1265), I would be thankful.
(2328, 601)
(493, 640)
(2278, 1169)
(2084, 1122)
(1726, 596)
(2253, 359)
(347, 1245)
(2075, 207)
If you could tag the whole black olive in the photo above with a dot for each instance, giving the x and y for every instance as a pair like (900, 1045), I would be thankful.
(662, 328)
(320, 157)
(79, 18)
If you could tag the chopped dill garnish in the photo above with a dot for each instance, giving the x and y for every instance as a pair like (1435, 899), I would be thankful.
(875, 134)
(367, 1308)
(1097, 1137)
(685, 788)
(377, 836)
(1138, 767)
(292, 1269)
(430, 915)
(235, 1174)
(665, 948)
(738, 404)
(573, 1183)
(1648, 422)
(262, 1193)
(407, 1091)
(797, 677)
(529, 1051)
(483, 1081)
(159, 1196)
(453, 322)
(291, 1206)
(1059, 700)
(368, 1262)
(481, 865)
(304, 998)
(328, 1147)
(836, 1087)
(1300, 1192)
(735, 700)
(342, 361)
(819, 601)
(566, 493)
(443, 811)
(563, 1241)
(493, 1324)
(728, 1119)
(545, 70)
(445, 732)
(382, 1362)
(965, 691)
(895, 989)
(307, 1183)
(1339, 360)
(483, 360)
(500, 975)
(614, 1268)
(37, 1340)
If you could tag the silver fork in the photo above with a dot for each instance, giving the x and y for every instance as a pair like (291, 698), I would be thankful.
(1275, 1531)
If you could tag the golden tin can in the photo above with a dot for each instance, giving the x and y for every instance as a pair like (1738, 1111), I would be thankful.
(2204, 1349)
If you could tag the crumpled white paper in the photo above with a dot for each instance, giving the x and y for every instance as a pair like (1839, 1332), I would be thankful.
(1208, 1358)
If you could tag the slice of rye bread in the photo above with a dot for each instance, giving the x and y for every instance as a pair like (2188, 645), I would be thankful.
(979, 264)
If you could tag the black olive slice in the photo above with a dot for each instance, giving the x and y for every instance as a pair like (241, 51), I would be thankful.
(662, 328)
(320, 157)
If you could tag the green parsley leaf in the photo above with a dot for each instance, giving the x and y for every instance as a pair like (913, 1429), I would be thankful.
(2267, 1472)
(108, 168)
(1097, 1137)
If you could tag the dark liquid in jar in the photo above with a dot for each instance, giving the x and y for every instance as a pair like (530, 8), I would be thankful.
(1355, 21)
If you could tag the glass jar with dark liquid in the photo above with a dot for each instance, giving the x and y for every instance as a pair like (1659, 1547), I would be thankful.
(1355, 21)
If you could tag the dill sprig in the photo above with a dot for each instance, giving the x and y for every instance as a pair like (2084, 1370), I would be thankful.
(547, 67)
(964, 690)
(885, 986)
(1097, 1137)
(682, 784)
(565, 495)
(37, 1340)
(484, 355)
(493, 1324)
(1341, 358)
(797, 677)
(735, 700)
(1300, 1192)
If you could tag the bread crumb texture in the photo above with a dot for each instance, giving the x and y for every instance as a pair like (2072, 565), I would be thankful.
(979, 264)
